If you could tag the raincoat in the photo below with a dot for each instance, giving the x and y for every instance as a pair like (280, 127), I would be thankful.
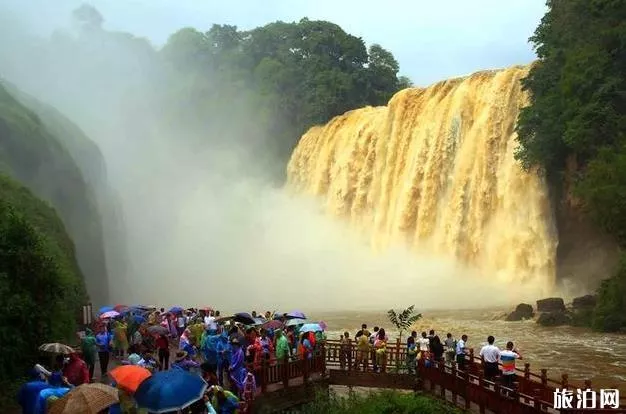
(229, 405)
(237, 368)
(120, 340)
(29, 393)
(76, 371)
(224, 354)
(88, 347)
(282, 345)
(209, 346)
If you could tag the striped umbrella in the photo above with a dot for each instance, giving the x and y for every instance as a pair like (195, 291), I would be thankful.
(57, 348)
(109, 314)
(86, 399)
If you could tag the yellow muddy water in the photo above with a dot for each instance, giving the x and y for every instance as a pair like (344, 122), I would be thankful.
(580, 353)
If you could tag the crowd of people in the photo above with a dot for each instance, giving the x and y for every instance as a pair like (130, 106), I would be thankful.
(227, 352)
(372, 347)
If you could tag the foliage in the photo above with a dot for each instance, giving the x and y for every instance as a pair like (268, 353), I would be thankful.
(609, 314)
(403, 320)
(578, 112)
(40, 287)
(390, 402)
(42, 137)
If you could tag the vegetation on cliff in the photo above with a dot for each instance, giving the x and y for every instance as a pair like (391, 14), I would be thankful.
(41, 288)
(578, 112)
(34, 150)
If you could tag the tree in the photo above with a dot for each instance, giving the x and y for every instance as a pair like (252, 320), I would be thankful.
(403, 320)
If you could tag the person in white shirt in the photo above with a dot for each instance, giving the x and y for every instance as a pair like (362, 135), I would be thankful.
(209, 319)
(423, 343)
(490, 355)
(460, 353)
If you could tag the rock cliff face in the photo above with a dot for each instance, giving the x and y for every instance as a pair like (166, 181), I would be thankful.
(585, 254)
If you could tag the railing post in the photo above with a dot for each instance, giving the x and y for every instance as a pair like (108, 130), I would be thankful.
(442, 373)
(264, 375)
(397, 358)
(324, 359)
(481, 385)
(305, 369)
(455, 380)
(564, 383)
(466, 378)
(527, 371)
(285, 371)
(587, 384)
(470, 367)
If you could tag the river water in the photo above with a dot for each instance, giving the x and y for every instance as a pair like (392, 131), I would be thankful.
(576, 351)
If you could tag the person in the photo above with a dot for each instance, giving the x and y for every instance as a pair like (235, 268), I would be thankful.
(436, 348)
(222, 401)
(57, 389)
(283, 349)
(508, 357)
(380, 346)
(460, 353)
(422, 344)
(183, 362)
(163, 346)
(237, 367)
(362, 351)
(224, 352)
(104, 341)
(120, 340)
(411, 354)
(450, 348)
(345, 351)
(133, 355)
(249, 389)
(181, 323)
(76, 371)
(490, 355)
(89, 349)
(29, 392)
(431, 336)
(372, 338)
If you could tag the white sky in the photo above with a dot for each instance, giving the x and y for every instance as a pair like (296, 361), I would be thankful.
(432, 40)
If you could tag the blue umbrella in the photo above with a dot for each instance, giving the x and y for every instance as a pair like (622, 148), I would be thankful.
(311, 327)
(176, 309)
(105, 309)
(170, 391)
(139, 319)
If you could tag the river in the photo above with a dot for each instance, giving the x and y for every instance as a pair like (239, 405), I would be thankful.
(580, 353)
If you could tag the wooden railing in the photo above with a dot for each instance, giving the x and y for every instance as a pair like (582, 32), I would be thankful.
(533, 392)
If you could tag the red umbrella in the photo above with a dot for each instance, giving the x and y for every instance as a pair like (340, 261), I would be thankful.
(119, 308)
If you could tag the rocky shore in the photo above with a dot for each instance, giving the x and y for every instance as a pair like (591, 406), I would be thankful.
(554, 311)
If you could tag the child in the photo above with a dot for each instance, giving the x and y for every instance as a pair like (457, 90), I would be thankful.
(411, 355)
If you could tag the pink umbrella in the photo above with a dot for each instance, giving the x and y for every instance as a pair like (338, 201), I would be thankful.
(109, 314)
(323, 325)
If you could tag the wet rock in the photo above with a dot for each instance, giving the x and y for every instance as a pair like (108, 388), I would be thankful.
(556, 318)
(521, 312)
(584, 302)
(551, 305)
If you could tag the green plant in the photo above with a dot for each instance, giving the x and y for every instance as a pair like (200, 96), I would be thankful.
(403, 320)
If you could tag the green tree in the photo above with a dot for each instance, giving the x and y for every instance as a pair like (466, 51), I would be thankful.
(403, 320)
(578, 111)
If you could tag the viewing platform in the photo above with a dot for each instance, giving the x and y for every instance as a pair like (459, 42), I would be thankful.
(284, 384)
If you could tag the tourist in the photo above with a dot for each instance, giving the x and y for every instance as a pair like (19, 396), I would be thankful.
(184, 362)
(436, 348)
(411, 354)
(224, 352)
(461, 351)
(362, 349)
(372, 338)
(89, 349)
(237, 367)
(380, 346)
(133, 357)
(29, 392)
(249, 390)
(104, 340)
(345, 351)
(450, 348)
(414, 336)
(264, 348)
(222, 401)
(163, 347)
(490, 355)
(507, 358)
(363, 331)
(431, 336)
(283, 349)
(208, 347)
(120, 340)
(181, 323)
(423, 344)
(76, 371)
(58, 387)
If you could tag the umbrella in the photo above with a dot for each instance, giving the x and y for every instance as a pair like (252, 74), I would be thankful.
(170, 391)
(87, 399)
(243, 317)
(323, 325)
(295, 314)
(311, 327)
(105, 309)
(141, 307)
(273, 324)
(138, 319)
(157, 329)
(258, 321)
(120, 308)
(175, 309)
(109, 314)
(277, 316)
(224, 319)
(129, 377)
(57, 348)
(294, 322)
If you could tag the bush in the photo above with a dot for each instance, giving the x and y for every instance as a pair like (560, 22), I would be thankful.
(390, 402)
(609, 315)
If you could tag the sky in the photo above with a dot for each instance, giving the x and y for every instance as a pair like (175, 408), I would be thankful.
(432, 40)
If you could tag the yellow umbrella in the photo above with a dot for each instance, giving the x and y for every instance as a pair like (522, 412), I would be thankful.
(86, 399)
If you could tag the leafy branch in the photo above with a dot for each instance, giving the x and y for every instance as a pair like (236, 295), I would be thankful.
(403, 320)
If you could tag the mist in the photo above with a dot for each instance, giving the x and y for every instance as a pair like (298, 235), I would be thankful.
(204, 222)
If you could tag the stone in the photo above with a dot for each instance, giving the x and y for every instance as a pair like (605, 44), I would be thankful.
(521, 312)
(584, 302)
(556, 318)
(551, 305)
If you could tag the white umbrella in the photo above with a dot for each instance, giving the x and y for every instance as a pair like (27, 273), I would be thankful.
(295, 322)
(57, 348)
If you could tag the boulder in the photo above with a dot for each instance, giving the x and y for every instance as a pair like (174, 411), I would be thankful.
(554, 318)
(521, 312)
(584, 302)
(551, 305)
